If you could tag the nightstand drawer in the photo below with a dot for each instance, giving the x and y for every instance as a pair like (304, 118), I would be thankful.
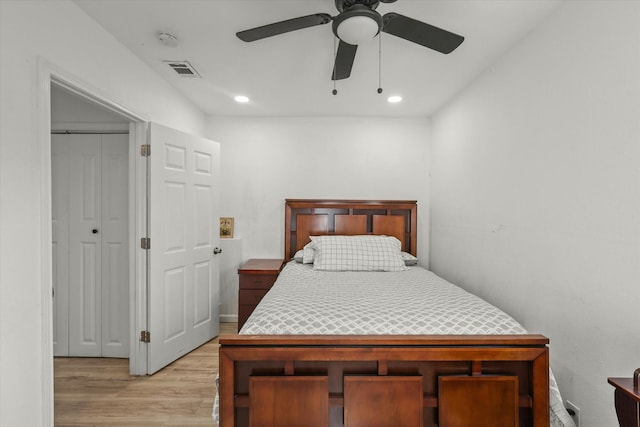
(252, 296)
(256, 278)
(257, 281)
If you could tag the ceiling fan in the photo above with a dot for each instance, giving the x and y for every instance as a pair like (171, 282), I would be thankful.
(357, 23)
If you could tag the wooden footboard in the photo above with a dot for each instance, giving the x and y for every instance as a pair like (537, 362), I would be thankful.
(443, 380)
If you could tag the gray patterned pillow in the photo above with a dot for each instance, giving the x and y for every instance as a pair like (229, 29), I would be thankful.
(357, 253)
(409, 259)
(308, 253)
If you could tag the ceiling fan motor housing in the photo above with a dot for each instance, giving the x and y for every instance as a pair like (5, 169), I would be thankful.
(343, 5)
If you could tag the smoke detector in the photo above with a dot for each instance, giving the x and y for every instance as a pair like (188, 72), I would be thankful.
(167, 39)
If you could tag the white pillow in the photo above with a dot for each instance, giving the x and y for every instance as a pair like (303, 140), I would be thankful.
(357, 253)
(298, 256)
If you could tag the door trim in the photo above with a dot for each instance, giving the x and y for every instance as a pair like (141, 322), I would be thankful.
(48, 74)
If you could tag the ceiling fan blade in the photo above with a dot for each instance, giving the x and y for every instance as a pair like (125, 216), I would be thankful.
(344, 61)
(281, 27)
(421, 33)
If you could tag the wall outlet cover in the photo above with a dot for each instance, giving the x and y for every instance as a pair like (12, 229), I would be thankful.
(576, 410)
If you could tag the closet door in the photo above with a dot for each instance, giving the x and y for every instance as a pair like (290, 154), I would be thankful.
(85, 250)
(60, 242)
(115, 246)
(90, 245)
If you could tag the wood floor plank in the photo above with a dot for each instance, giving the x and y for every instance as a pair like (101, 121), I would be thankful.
(100, 392)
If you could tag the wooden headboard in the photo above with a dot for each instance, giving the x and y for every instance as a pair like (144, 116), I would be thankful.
(316, 217)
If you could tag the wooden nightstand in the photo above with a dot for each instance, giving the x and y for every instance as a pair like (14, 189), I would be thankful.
(627, 400)
(256, 278)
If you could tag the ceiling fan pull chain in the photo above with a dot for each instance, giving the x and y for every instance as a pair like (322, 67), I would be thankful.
(380, 62)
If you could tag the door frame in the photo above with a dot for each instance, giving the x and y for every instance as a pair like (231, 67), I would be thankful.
(48, 74)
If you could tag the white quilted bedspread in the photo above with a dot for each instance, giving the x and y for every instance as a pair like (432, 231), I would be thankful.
(413, 302)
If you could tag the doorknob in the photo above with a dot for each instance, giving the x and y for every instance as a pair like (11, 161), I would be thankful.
(216, 251)
(94, 231)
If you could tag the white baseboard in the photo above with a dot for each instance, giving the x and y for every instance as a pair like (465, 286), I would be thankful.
(228, 318)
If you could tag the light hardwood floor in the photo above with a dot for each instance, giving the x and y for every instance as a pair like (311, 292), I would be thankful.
(100, 392)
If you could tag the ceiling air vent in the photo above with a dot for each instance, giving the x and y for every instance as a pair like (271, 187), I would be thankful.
(183, 68)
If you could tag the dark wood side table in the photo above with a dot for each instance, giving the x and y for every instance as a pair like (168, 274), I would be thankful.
(256, 278)
(627, 400)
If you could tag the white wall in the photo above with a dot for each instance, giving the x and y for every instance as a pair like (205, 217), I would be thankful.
(536, 194)
(72, 112)
(62, 34)
(268, 160)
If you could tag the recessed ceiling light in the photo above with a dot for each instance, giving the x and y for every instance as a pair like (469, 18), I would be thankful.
(394, 99)
(241, 98)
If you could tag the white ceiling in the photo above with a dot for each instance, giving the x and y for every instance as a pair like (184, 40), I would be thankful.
(290, 74)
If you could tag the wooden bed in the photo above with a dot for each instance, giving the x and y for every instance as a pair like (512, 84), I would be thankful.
(370, 381)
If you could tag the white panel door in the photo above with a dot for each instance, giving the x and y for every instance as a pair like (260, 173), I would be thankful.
(60, 242)
(85, 251)
(183, 221)
(115, 246)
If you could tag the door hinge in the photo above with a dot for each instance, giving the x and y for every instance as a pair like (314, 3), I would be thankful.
(145, 336)
(145, 243)
(145, 150)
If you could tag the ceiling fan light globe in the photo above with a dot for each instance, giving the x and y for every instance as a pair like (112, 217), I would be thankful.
(357, 30)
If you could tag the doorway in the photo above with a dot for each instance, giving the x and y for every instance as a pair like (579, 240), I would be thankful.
(90, 197)
(173, 284)
(202, 163)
